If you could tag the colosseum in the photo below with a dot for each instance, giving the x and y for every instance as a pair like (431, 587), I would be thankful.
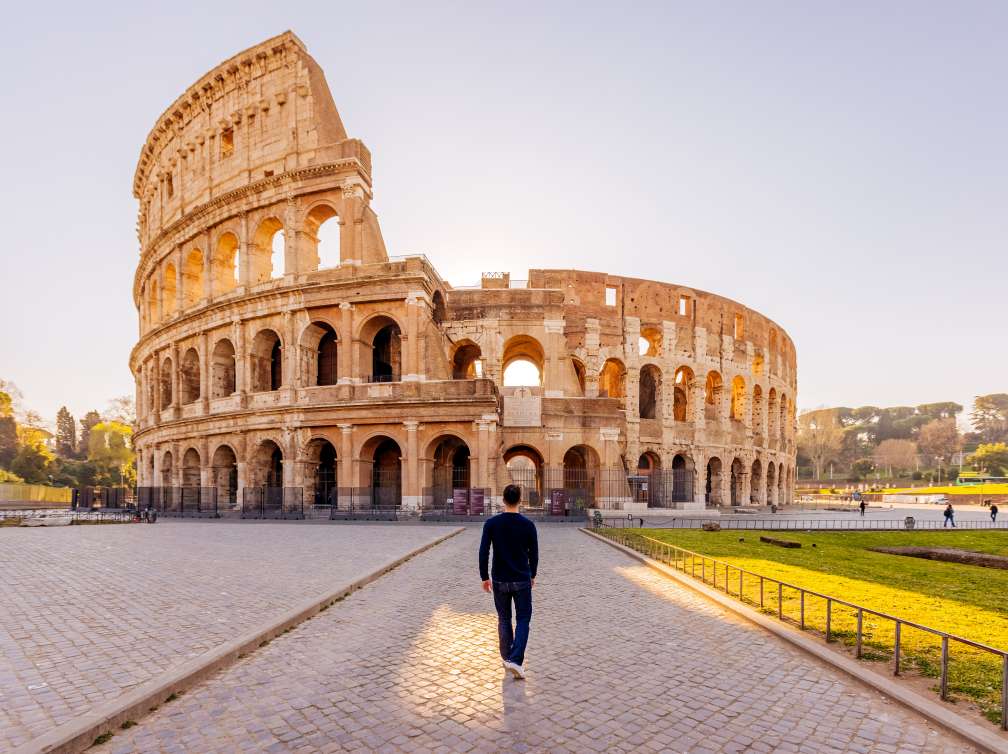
(285, 359)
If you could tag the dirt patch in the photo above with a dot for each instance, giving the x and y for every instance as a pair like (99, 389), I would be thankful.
(779, 542)
(948, 555)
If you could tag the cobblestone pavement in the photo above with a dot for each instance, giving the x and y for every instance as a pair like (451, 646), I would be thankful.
(87, 612)
(620, 659)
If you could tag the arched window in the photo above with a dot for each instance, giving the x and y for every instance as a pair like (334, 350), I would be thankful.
(224, 470)
(153, 306)
(683, 394)
(465, 361)
(650, 392)
(386, 354)
(772, 414)
(713, 396)
(714, 472)
(189, 377)
(757, 411)
(266, 362)
(437, 308)
(523, 362)
(326, 374)
(166, 383)
(267, 255)
(191, 468)
(580, 373)
(323, 236)
(192, 278)
(650, 341)
(319, 355)
(170, 290)
(738, 398)
(612, 379)
(222, 373)
(225, 265)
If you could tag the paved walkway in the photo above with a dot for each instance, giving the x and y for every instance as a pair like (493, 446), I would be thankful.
(621, 659)
(87, 612)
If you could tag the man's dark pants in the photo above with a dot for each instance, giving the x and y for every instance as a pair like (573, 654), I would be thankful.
(513, 640)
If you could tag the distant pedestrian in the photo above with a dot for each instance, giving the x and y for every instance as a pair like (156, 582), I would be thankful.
(862, 505)
(515, 560)
(949, 516)
(994, 512)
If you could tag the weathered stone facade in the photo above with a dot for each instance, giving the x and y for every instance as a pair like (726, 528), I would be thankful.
(256, 366)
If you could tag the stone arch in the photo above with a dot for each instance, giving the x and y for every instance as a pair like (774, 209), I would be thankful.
(153, 305)
(191, 468)
(262, 263)
(683, 473)
(320, 354)
(755, 482)
(650, 341)
(772, 414)
(738, 475)
(683, 394)
(381, 458)
(465, 361)
(189, 377)
(524, 464)
(170, 291)
(449, 466)
(580, 373)
(771, 481)
(266, 361)
(437, 308)
(266, 465)
(224, 264)
(781, 482)
(757, 365)
(757, 411)
(650, 397)
(381, 338)
(782, 426)
(612, 379)
(222, 369)
(713, 486)
(322, 248)
(166, 469)
(581, 465)
(713, 395)
(224, 475)
(519, 352)
(321, 472)
(738, 398)
(193, 285)
(165, 379)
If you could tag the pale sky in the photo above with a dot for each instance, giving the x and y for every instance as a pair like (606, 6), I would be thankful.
(839, 167)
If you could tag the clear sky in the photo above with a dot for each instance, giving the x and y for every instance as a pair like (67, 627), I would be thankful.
(839, 167)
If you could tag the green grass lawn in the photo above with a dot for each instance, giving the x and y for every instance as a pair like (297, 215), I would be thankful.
(969, 601)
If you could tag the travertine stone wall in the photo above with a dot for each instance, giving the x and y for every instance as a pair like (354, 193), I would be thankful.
(256, 366)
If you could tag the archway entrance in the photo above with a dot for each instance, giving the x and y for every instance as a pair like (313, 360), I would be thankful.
(683, 474)
(647, 484)
(386, 475)
(714, 482)
(755, 481)
(580, 469)
(224, 468)
(524, 468)
(737, 480)
(450, 475)
(325, 489)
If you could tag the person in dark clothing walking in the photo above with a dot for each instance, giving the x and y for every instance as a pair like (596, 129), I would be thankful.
(862, 506)
(993, 512)
(949, 516)
(515, 561)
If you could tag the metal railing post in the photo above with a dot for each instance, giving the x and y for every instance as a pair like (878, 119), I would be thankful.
(801, 619)
(860, 619)
(944, 667)
(761, 591)
(829, 618)
(780, 601)
(896, 649)
(1004, 692)
(740, 574)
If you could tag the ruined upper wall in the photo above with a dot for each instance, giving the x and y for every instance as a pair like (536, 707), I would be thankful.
(263, 112)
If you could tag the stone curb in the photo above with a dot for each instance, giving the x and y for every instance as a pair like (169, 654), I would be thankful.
(976, 735)
(78, 734)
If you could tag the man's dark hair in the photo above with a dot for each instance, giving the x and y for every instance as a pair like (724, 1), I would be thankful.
(512, 494)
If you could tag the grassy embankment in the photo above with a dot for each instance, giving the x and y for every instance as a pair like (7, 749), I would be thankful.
(970, 601)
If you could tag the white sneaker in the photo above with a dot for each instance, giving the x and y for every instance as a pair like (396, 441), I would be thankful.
(516, 670)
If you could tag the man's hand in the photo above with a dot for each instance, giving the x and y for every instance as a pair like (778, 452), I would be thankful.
(486, 585)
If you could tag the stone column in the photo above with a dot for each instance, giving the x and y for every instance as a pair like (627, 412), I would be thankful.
(700, 478)
(204, 342)
(208, 269)
(346, 469)
(554, 345)
(156, 366)
(411, 368)
(206, 464)
(176, 401)
(244, 254)
(156, 481)
(411, 495)
(241, 382)
(699, 401)
(179, 279)
(483, 451)
(290, 360)
(345, 350)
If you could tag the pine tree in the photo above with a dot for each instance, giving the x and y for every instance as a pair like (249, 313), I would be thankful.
(90, 419)
(66, 434)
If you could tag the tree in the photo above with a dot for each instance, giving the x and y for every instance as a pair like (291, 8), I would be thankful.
(896, 454)
(6, 404)
(84, 444)
(122, 410)
(990, 417)
(939, 439)
(819, 437)
(30, 463)
(992, 458)
(66, 434)
(110, 450)
(8, 440)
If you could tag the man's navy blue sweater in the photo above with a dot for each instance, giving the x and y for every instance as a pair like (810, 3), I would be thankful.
(515, 548)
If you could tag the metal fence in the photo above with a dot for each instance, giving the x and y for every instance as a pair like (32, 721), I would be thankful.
(180, 502)
(797, 524)
(768, 594)
(99, 515)
(273, 502)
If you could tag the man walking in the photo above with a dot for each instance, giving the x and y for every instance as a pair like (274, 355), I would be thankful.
(862, 505)
(515, 560)
(949, 516)
(993, 512)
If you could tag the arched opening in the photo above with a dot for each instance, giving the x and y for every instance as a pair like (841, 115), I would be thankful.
(222, 370)
(192, 278)
(266, 469)
(781, 485)
(612, 379)
(683, 390)
(650, 341)
(323, 237)
(386, 354)
(437, 308)
(650, 392)
(757, 365)
(322, 473)
(166, 470)
(646, 484)
(320, 354)
(523, 362)
(682, 479)
(386, 472)
(713, 396)
(580, 468)
(783, 426)
(714, 471)
(189, 377)
(153, 307)
(450, 469)
(224, 467)
(466, 361)
(772, 414)
(757, 411)
(166, 383)
(267, 252)
(755, 482)
(580, 373)
(524, 468)
(738, 397)
(737, 482)
(191, 468)
(224, 265)
(771, 484)
(170, 293)
(266, 362)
